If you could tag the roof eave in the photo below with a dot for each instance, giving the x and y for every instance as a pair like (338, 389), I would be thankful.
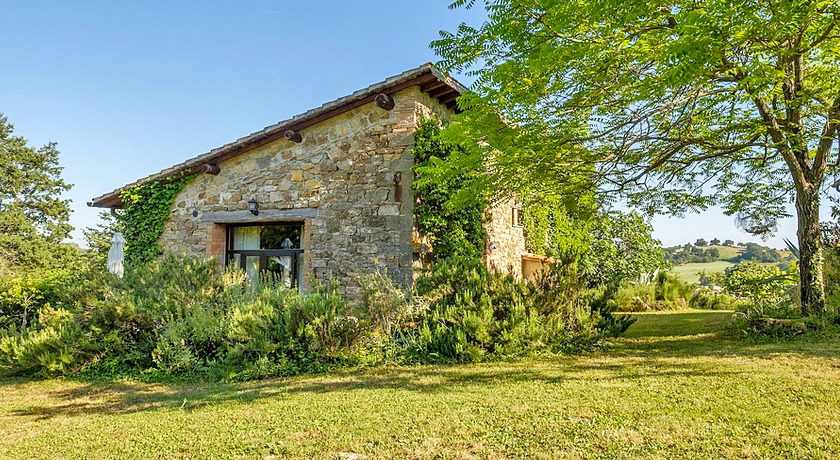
(424, 74)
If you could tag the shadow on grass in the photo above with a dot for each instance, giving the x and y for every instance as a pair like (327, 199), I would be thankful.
(648, 352)
(121, 398)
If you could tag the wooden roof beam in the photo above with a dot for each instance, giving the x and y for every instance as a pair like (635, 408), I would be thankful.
(448, 98)
(433, 85)
(441, 91)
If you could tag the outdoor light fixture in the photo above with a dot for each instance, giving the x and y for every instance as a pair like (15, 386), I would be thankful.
(254, 206)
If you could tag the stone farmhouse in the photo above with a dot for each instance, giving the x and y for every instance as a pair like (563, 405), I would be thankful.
(326, 193)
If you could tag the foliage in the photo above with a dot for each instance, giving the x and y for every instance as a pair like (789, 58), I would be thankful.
(98, 239)
(552, 229)
(387, 305)
(33, 218)
(146, 209)
(676, 107)
(453, 221)
(705, 298)
(179, 315)
(832, 279)
(23, 296)
(679, 255)
(621, 248)
(473, 314)
(664, 292)
(757, 253)
(766, 288)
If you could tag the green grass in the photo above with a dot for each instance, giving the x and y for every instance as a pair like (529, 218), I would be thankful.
(727, 252)
(691, 272)
(677, 387)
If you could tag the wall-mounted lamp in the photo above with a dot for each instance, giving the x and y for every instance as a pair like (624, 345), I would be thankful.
(254, 206)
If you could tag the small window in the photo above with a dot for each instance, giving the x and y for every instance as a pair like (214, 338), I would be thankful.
(275, 248)
(517, 212)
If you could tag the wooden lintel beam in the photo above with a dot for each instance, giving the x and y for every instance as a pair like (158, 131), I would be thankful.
(384, 101)
(293, 136)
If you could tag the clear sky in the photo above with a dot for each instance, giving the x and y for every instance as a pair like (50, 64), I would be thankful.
(129, 88)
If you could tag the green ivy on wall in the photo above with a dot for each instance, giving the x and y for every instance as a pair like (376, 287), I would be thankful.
(146, 209)
(447, 212)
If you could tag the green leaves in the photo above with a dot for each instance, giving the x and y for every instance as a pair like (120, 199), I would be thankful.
(33, 218)
(147, 207)
(449, 210)
(648, 99)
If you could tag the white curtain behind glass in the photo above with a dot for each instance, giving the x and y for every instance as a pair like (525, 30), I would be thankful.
(248, 238)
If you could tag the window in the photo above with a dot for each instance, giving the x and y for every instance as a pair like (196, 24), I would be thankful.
(517, 214)
(275, 248)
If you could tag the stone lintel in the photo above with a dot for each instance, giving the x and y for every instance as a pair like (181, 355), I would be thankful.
(266, 215)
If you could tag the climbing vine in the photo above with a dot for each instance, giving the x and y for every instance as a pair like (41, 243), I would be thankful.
(147, 206)
(448, 213)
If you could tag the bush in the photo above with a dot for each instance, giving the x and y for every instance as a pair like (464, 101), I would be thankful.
(708, 299)
(831, 274)
(662, 291)
(23, 296)
(181, 315)
(474, 314)
(763, 287)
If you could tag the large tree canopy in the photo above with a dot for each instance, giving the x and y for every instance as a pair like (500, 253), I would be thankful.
(33, 217)
(677, 105)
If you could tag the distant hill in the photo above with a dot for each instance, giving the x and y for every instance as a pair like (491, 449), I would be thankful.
(688, 254)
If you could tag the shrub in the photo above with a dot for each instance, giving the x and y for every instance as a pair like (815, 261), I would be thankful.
(764, 287)
(22, 296)
(180, 314)
(831, 274)
(661, 291)
(709, 299)
(474, 314)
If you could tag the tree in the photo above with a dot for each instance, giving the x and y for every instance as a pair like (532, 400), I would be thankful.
(33, 217)
(729, 243)
(621, 247)
(715, 242)
(676, 105)
(701, 242)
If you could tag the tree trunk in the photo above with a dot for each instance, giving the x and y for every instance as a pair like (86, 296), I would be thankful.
(810, 251)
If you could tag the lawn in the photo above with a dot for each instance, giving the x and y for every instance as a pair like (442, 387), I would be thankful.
(676, 387)
(691, 272)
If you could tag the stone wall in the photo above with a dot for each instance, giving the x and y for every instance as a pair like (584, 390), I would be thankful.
(348, 182)
(505, 241)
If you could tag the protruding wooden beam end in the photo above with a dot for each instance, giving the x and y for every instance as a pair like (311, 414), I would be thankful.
(384, 101)
(209, 169)
(293, 136)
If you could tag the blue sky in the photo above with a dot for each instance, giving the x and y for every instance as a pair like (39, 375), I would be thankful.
(127, 89)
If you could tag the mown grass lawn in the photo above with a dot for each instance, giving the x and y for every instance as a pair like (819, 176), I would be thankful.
(676, 387)
(691, 272)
